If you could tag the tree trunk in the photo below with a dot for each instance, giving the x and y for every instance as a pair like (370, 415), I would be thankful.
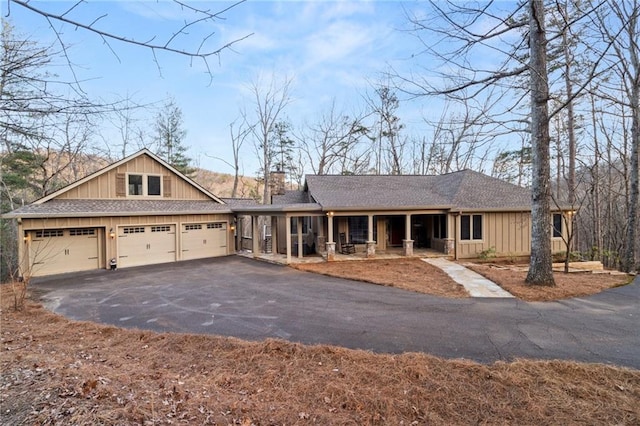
(629, 263)
(540, 267)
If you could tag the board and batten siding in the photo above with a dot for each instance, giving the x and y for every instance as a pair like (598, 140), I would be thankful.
(105, 186)
(107, 245)
(509, 233)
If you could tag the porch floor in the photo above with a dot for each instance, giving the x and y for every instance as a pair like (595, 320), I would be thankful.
(391, 253)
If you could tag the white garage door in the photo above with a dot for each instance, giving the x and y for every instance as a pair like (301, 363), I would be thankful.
(146, 245)
(204, 240)
(54, 251)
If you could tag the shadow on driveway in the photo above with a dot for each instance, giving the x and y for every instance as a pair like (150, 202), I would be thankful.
(235, 296)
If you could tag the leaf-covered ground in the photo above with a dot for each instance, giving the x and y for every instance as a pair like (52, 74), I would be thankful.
(57, 371)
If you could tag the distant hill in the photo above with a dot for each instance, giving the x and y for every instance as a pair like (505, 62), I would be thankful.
(221, 184)
(58, 170)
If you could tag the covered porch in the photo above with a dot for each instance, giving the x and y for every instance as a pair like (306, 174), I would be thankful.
(393, 253)
(305, 232)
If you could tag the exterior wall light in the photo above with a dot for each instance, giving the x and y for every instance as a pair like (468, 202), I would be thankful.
(112, 233)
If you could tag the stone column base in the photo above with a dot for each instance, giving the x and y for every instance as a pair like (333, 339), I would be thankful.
(331, 252)
(321, 242)
(407, 247)
(449, 246)
(371, 249)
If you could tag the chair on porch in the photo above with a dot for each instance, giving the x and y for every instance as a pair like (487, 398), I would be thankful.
(345, 247)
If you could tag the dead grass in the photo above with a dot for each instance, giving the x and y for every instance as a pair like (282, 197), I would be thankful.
(408, 274)
(574, 284)
(56, 371)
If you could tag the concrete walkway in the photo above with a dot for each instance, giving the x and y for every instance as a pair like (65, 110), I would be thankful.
(474, 283)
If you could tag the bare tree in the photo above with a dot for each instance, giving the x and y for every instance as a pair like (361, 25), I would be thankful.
(270, 99)
(626, 62)
(331, 139)
(471, 31)
(79, 16)
(238, 138)
(388, 145)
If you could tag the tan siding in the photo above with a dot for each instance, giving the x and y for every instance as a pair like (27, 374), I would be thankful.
(107, 248)
(508, 233)
(105, 186)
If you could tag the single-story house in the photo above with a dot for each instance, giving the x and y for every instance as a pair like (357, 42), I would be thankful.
(140, 211)
(462, 214)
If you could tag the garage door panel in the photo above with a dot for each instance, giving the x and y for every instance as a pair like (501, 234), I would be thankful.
(200, 240)
(146, 245)
(55, 251)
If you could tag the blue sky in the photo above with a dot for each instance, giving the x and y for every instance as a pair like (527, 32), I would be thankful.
(331, 49)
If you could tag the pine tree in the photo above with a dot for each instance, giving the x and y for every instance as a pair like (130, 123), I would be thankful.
(170, 136)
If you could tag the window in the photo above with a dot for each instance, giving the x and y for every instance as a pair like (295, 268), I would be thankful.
(133, 230)
(47, 233)
(82, 231)
(557, 225)
(306, 225)
(153, 185)
(144, 185)
(192, 227)
(161, 228)
(440, 226)
(471, 227)
(477, 227)
(358, 229)
(135, 185)
(214, 225)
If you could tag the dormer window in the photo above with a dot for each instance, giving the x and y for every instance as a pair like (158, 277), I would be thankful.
(153, 185)
(135, 185)
(144, 185)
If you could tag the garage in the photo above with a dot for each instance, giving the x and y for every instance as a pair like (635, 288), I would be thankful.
(201, 240)
(54, 251)
(146, 245)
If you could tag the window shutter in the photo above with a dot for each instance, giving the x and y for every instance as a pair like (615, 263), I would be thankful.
(121, 187)
(166, 186)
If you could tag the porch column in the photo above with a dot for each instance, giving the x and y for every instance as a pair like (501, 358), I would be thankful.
(255, 236)
(288, 237)
(407, 243)
(299, 229)
(238, 236)
(371, 244)
(331, 245)
(274, 234)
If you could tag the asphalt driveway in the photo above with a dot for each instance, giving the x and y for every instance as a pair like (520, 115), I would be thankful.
(235, 296)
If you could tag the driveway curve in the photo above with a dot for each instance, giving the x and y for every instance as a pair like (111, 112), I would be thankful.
(235, 296)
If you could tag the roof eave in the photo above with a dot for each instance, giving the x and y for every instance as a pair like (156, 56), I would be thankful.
(280, 208)
(111, 214)
(338, 208)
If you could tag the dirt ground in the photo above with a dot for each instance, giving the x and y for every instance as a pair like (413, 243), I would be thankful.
(416, 275)
(58, 372)
(573, 284)
(408, 274)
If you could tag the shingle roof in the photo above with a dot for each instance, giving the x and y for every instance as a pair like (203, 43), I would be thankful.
(70, 207)
(458, 190)
(239, 201)
(290, 197)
